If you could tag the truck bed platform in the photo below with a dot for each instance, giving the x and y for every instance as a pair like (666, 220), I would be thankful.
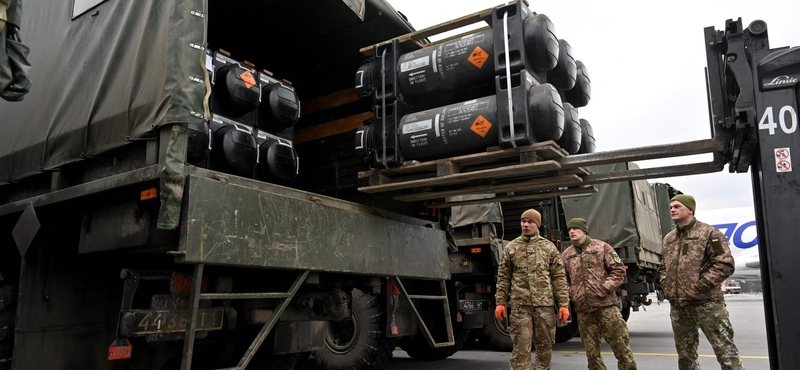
(241, 222)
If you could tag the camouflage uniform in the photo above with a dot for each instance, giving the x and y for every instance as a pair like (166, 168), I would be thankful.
(596, 271)
(531, 271)
(606, 323)
(696, 262)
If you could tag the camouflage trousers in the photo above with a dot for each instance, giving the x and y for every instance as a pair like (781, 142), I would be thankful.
(535, 325)
(712, 319)
(606, 323)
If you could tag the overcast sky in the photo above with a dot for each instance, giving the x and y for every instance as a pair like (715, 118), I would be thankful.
(645, 60)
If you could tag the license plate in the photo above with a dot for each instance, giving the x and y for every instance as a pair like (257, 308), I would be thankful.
(160, 322)
(471, 305)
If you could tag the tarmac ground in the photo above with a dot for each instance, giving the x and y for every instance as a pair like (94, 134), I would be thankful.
(651, 340)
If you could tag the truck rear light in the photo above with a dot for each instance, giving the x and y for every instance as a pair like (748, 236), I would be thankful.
(120, 350)
(148, 194)
(476, 250)
(392, 289)
(181, 283)
(480, 288)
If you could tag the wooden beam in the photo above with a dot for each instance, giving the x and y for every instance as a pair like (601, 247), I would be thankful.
(331, 128)
(331, 100)
(535, 184)
(546, 149)
(379, 179)
(517, 198)
(447, 168)
(412, 37)
(460, 178)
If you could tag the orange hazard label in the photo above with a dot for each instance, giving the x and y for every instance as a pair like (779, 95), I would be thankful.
(248, 79)
(478, 57)
(481, 126)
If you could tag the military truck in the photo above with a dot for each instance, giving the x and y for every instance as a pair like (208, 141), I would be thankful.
(155, 211)
(142, 228)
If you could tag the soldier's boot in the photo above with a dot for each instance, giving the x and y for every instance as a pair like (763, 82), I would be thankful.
(544, 335)
(589, 328)
(716, 325)
(615, 330)
(521, 330)
(687, 337)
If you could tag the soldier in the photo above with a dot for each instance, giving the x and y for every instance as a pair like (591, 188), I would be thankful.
(531, 271)
(696, 262)
(595, 272)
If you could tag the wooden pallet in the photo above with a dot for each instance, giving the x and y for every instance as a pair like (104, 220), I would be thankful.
(496, 171)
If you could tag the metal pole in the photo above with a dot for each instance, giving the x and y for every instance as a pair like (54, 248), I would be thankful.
(251, 351)
(191, 324)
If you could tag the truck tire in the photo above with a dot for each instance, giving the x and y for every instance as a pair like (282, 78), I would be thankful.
(417, 346)
(475, 338)
(7, 317)
(358, 343)
(495, 333)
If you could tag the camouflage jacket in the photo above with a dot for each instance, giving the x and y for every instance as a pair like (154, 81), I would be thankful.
(531, 271)
(595, 272)
(696, 262)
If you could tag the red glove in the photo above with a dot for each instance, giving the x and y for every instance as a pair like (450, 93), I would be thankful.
(563, 314)
(500, 312)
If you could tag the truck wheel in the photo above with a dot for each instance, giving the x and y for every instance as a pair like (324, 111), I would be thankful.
(475, 338)
(7, 317)
(358, 343)
(417, 346)
(495, 333)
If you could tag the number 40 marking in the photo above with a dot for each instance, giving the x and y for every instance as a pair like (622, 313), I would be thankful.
(768, 122)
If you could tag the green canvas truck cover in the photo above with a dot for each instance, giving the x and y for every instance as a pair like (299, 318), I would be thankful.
(106, 71)
(622, 214)
(115, 72)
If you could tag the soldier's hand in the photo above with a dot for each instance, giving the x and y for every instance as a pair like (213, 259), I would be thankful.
(500, 312)
(563, 314)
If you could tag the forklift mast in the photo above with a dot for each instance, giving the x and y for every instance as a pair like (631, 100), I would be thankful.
(753, 102)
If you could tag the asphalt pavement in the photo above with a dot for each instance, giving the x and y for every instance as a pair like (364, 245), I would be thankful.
(651, 341)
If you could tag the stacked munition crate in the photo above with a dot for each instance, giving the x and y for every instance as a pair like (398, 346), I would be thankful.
(251, 127)
(475, 113)
(473, 92)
